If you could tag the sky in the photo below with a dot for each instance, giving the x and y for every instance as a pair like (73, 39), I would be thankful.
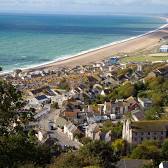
(84, 6)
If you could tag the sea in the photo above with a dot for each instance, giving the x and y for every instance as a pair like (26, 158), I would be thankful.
(28, 40)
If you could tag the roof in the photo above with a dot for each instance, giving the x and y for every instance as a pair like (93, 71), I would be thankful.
(60, 121)
(70, 114)
(164, 47)
(71, 127)
(139, 115)
(40, 90)
(150, 126)
(42, 97)
(131, 100)
(132, 163)
(163, 69)
(93, 128)
(145, 100)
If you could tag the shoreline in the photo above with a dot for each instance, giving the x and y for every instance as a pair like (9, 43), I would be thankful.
(69, 59)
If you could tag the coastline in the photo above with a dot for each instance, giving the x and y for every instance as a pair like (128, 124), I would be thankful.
(99, 53)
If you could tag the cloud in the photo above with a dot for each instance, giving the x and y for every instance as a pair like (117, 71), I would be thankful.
(91, 2)
(82, 5)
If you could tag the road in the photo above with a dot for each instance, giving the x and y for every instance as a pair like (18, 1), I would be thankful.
(62, 138)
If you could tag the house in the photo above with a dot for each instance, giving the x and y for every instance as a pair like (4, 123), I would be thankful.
(162, 71)
(43, 99)
(60, 122)
(164, 49)
(70, 115)
(107, 108)
(70, 130)
(145, 102)
(42, 136)
(94, 132)
(42, 113)
(112, 61)
(119, 107)
(138, 131)
(163, 164)
(132, 103)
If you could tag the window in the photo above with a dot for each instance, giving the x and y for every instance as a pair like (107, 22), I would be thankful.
(141, 139)
(148, 133)
(142, 133)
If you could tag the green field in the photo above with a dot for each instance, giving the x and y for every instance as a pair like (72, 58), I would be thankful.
(148, 58)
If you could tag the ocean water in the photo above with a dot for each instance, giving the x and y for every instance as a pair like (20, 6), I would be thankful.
(28, 40)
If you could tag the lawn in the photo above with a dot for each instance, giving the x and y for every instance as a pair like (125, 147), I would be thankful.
(148, 58)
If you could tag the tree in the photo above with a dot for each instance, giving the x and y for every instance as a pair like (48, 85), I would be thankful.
(94, 154)
(17, 146)
(1, 69)
(140, 87)
(146, 150)
(64, 84)
(10, 102)
(126, 90)
(153, 113)
(164, 150)
(67, 160)
(17, 150)
(99, 153)
(55, 105)
(116, 129)
(119, 146)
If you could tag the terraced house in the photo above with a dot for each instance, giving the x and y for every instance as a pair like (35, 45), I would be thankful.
(136, 132)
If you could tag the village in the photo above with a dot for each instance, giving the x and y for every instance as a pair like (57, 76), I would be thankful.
(93, 102)
(69, 104)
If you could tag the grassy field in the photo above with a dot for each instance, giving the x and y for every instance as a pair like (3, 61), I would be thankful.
(146, 58)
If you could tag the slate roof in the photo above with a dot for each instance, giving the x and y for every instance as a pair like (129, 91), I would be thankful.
(71, 127)
(132, 163)
(150, 126)
(42, 97)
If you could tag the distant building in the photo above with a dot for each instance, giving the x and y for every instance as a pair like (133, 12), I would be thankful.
(112, 61)
(164, 49)
(136, 132)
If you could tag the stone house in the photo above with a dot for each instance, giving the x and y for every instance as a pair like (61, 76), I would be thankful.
(136, 132)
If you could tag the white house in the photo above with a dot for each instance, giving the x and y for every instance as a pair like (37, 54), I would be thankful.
(70, 130)
(164, 49)
(42, 136)
(92, 130)
(163, 164)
